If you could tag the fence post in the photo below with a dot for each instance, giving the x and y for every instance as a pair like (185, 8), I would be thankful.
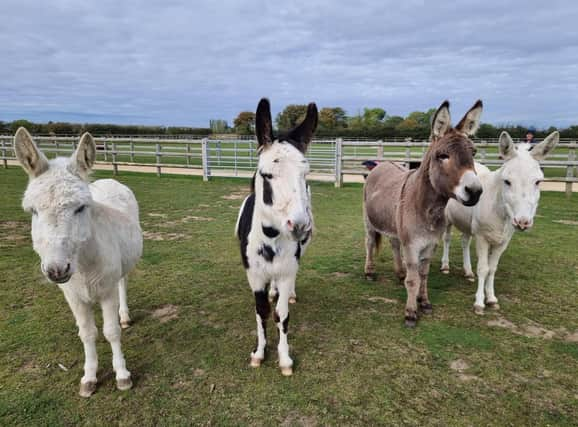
(158, 157)
(205, 158)
(4, 159)
(114, 165)
(483, 151)
(131, 150)
(188, 155)
(380, 150)
(570, 168)
(105, 150)
(338, 162)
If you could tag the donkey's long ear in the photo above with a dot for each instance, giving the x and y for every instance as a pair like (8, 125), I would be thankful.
(540, 151)
(263, 123)
(507, 146)
(301, 135)
(28, 154)
(471, 121)
(83, 158)
(441, 121)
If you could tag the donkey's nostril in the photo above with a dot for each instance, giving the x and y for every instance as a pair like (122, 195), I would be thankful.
(290, 225)
(67, 268)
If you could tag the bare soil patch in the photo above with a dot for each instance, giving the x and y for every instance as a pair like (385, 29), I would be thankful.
(160, 236)
(165, 313)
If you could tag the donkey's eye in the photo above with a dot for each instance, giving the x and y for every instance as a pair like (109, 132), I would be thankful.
(443, 156)
(507, 182)
(80, 209)
(276, 161)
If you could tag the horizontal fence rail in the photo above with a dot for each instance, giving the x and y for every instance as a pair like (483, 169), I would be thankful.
(329, 158)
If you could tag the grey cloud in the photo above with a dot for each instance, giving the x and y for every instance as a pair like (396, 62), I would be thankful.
(179, 62)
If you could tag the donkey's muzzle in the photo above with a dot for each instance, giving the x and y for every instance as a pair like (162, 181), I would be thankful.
(58, 274)
(473, 194)
(299, 231)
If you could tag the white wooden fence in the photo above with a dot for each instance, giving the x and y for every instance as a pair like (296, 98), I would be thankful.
(330, 159)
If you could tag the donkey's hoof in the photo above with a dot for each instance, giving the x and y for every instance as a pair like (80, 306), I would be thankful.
(445, 270)
(87, 389)
(470, 277)
(292, 300)
(287, 371)
(125, 324)
(124, 384)
(410, 322)
(426, 308)
(255, 362)
(479, 310)
(493, 305)
(371, 277)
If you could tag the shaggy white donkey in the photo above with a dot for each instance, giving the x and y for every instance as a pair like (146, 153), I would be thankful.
(88, 238)
(509, 202)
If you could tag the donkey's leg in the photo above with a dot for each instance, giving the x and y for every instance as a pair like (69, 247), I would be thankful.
(281, 317)
(372, 239)
(412, 284)
(262, 311)
(398, 266)
(273, 292)
(123, 305)
(445, 268)
(468, 273)
(112, 333)
(87, 332)
(482, 250)
(424, 265)
(494, 258)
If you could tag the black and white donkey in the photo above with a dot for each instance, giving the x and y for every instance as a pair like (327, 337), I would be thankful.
(275, 224)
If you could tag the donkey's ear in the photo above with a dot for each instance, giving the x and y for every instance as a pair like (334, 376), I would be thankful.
(28, 154)
(83, 158)
(301, 135)
(507, 146)
(541, 150)
(441, 121)
(471, 121)
(263, 123)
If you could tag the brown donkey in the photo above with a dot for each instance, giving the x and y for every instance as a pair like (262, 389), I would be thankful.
(408, 206)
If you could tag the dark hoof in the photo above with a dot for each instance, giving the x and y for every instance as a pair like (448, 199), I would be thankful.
(87, 389)
(426, 308)
(371, 277)
(493, 305)
(410, 322)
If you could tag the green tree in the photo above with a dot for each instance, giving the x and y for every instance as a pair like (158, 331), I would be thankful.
(290, 116)
(245, 123)
(373, 117)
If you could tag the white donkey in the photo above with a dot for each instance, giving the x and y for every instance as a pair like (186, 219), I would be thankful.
(275, 225)
(88, 238)
(508, 202)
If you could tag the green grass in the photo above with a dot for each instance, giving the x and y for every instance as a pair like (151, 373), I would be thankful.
(355, 362)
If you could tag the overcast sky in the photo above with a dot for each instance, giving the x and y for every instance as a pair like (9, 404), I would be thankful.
(179, 62)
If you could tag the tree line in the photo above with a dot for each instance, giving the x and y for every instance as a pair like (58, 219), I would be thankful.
(376, 123)
(333, 122)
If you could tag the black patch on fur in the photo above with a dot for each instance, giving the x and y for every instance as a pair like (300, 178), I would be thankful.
(266, 252)
(262, 306)
(298, 251)
(263, 309)
(245, 227)
(286, 324)
(306, 238)
(276, 317)
(267, 189)
(270, 232)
